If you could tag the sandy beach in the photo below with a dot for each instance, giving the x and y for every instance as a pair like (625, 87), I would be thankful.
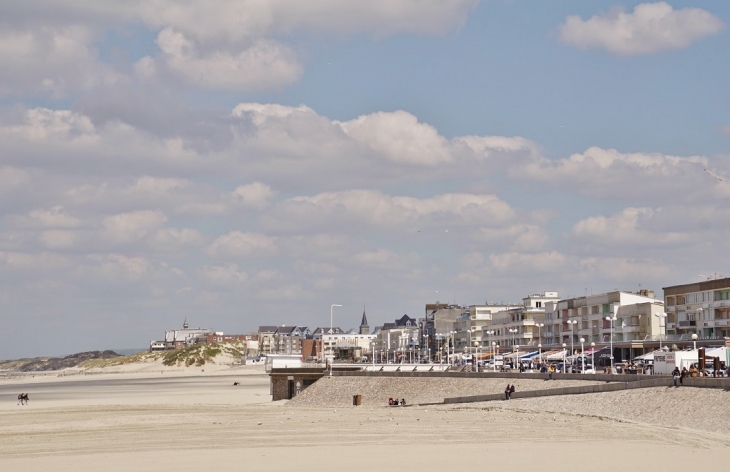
(146, 422)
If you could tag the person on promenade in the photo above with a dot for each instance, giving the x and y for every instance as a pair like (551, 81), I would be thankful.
(682, 375)
(511, 390)
(551, 370)
(507, 391)
(675, 375)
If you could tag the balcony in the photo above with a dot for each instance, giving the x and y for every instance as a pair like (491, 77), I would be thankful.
(687, 324)
(670, 309)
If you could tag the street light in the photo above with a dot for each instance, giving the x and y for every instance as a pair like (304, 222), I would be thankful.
(572, 351)
(611, 319)
(330, 332)
(453, 347)
(582, 356)
(660, 316)
(494, 356)
(694, 340)
(593, 351)
(539, 342)
(564, 357)
(426, 348)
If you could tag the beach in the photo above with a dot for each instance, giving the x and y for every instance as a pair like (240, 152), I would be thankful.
(194, 420)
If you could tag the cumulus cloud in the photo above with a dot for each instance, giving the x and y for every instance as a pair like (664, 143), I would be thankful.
(51, 60)
(263, 64)
(241, 245)
(372, 207)
(133, 226)
(650, 28)
(255, 194)
(609, 173)
(400, 137)
(225, 275)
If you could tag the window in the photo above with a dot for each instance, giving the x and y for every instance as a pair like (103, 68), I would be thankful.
(538, 304)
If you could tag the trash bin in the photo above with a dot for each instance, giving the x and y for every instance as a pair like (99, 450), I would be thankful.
(357, 400)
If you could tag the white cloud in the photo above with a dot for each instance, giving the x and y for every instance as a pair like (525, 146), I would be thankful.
(222, 20)
(371, 207)
(400, 137)
(241, 245)
(263, 64)
(255, 194)
(385, 259)
(650, 28)
(54, 217)
(528, 262)
(133, 226)
(225, 275)
(608, 173)
(58, 239)
(51, 60)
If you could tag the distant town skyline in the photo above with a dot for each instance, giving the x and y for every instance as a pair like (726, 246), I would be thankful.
(250, 163)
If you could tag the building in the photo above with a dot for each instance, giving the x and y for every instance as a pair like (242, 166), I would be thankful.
(267, 344)
(470, 324)
(519, 325)
(701, 308)
(288, 339)
(397, 341)
(439, 318)
(181, 338)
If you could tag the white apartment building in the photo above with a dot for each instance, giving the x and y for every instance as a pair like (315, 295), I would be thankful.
(468, 327)
(521, 325)
(638, 315)
(701, 308)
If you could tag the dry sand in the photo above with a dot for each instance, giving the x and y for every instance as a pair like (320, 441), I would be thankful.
(195, 422)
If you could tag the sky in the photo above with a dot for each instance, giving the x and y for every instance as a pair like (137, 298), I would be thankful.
(246, 163)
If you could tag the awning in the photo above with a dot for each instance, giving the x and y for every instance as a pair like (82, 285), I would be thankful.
(557, 356)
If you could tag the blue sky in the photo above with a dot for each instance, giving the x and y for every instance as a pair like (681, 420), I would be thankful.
(243, 163)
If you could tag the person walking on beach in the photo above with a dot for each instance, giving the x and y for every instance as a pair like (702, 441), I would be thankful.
(507, 391)
(20, 399)
(675, 375)
(511, 390)
(25, 398)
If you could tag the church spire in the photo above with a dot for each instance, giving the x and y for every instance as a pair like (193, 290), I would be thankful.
(364, 328)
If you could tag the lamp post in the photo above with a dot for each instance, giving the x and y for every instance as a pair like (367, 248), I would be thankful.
(572, 351)
(539, 342)
(660, 316)
(474, 357)
(611, 319)
(494, 356)
(452, 355)
(425, 347)
(372, 345)
(694, 341)
(593, 351)
(582, 356)
(331, 332)
(564, 357)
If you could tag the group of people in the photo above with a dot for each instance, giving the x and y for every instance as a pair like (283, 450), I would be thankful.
(396, 402)
(23, 399)
(508, 391)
